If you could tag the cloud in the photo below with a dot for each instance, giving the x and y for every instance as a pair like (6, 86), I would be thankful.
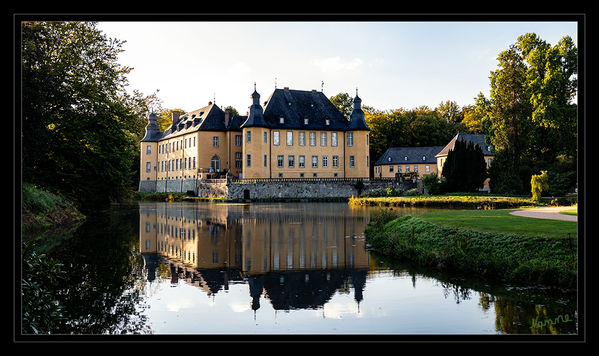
(335, 64)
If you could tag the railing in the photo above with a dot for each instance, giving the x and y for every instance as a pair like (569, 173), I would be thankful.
(309, 180)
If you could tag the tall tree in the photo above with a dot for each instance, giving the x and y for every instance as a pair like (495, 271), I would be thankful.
(476, 117)
(510, 118)
(344, 103)
(465, 169)
(81, 129)
(533, 113)
(551, 84)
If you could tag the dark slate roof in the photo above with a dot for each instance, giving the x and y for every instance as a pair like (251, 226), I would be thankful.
(478, 139)
(153, 133)
(409, 155)
(296, 105)
(235, 123)
(357, 117)
(208, 118)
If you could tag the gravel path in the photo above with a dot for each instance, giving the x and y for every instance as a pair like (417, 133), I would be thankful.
(547, 213)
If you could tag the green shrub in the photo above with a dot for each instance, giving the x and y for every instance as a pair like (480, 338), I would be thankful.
(412, 192)
(538, 183)
(38, 201)
(431, 183)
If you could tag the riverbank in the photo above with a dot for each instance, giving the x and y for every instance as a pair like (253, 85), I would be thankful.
(43, 211)
(446, 201)
(519, 258)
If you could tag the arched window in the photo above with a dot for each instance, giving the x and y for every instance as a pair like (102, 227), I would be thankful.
(215, 163)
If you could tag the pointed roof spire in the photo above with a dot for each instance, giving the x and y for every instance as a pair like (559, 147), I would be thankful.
(356, 118)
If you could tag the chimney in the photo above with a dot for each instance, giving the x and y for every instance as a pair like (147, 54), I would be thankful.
(209, 103)
(227, 118)
(175, 117)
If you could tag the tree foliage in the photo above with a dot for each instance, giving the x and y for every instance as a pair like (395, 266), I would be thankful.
(465, 169)
(533, 116)
(538, 183)
(81, 129)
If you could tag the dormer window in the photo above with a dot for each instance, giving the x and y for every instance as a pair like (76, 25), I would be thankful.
(327, 121)
(281, 120)
(389, 159)
(306, 121)
(405, 158)
(424, 158)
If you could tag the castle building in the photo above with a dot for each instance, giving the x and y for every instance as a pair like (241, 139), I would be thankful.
(202, 141)
(426, 160)
(301, 134)
(298, 134)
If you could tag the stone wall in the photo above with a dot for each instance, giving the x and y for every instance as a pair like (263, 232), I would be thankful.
(274, 189)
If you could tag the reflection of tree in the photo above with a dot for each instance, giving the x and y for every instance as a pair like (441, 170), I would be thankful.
(517, 318)
(102, 288)
(459, 293)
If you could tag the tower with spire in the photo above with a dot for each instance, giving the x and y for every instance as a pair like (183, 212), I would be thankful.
(357, 138)
(255, 131)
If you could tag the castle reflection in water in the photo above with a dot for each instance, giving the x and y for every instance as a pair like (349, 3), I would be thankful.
(297, 255)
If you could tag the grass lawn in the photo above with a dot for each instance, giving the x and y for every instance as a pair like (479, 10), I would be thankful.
(501, 221)
(570, 212)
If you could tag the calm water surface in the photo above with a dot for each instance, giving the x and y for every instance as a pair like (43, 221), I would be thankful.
(274, 268)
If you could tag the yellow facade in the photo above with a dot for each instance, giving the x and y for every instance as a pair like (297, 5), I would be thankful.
(389, 170)
(183, 156)
(205, 141)
(280, 153)
(148, 168)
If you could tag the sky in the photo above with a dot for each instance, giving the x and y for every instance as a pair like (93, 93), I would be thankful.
(392, 64)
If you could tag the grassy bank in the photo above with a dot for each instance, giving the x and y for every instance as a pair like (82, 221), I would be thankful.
(446, 201)
(530, 259)
(42, 210)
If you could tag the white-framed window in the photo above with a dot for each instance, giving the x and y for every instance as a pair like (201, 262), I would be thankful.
(335, 161)
(323, 138)
(302, 138)
(314, 161)
(301, 161)
(276, 139)
(352, 161)
(248, 137)
(248, 160)
(333, 139)
(148, 166)
(427, 168)
(325, 161)
(390, 168)
(289, 138)
(291, 161)
(281, 120)
(350, 139)
(265, 137)
(148, 149)
(306, 121)
(215, 141)
(280, 161)
(312, 138)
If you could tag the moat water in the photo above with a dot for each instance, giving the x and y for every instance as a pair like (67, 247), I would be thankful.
(259, 269)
